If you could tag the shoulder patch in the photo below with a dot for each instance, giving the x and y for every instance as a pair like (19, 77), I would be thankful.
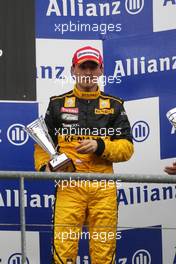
(70, 101)
(107, 96)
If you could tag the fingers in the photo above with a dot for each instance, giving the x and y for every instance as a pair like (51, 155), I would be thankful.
(84, 147)
(47, 169)
(87, 146)
(170, 170)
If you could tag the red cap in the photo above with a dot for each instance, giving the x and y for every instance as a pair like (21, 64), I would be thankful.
(87, 54)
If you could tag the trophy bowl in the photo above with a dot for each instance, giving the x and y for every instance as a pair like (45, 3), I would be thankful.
(38, 131)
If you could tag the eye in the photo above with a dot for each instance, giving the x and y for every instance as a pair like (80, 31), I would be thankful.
(82, 67)
(89, 65)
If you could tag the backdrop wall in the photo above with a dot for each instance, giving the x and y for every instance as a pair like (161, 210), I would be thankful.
(137, 39)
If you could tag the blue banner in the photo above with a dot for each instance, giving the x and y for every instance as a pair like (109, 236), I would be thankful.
(142, 70)
(38, 203)
(91, 19)
(16, 146)
(134, 246)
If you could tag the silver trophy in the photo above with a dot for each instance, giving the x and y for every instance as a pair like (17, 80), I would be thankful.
(171, 115)
(39, 132)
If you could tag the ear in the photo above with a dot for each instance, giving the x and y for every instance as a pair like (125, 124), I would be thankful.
(102, 68)
(72, 70)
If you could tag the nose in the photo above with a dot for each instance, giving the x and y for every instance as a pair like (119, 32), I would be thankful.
(88, 71)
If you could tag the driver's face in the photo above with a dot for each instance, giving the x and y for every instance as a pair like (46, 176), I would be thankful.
(87, 73)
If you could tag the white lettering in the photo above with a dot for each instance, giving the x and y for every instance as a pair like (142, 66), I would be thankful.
(174, 63)
(25, 198)
(72, 7)
(173, 130)
(48, 200)
(8, 200)
(128, 67)
(116, 10)
(0, 133)
(152, 67)
(16, 198)
(164, 64)
(64, 7)
(119, 70)
(1, 201)
(104, 9)
(128, 196)
(35, 200)
(91, 10)
(80, 6)
(142, 62)
(135, 66)
(69, 8)
(53, 8)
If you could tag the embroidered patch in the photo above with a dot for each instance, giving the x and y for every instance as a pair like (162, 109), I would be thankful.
(104, 103)
(69, 110)
(70, 102)
(104, 111)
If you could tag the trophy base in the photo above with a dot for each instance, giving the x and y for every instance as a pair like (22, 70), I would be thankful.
(61, 163)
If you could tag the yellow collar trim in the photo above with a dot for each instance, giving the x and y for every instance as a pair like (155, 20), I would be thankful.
(86, 95)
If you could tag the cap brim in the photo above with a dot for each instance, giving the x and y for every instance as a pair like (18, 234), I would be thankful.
(88, 59)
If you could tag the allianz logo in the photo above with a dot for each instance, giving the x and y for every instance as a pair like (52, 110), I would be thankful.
(80, 8)
(142, 256)
(16, 135)
(134, 7)
(17, 259)
(143, 65)
(49, 72)
(173, 130)
(82, 259)
(169, 2)
(140, 131)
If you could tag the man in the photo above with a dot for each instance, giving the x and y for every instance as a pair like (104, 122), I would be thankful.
(102, 135)
(171, 169)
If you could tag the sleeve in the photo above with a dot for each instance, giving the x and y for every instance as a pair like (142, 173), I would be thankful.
(41, 157)
(120, 146)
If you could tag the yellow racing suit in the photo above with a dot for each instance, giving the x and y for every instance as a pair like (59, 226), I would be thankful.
(70, 118)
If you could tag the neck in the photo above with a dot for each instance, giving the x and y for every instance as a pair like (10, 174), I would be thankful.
(86, 94)
(87, 89)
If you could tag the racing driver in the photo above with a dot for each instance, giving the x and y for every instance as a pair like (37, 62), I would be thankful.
(92, 129)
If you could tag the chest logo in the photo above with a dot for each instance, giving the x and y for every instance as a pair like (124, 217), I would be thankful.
(104, 111)
(70, 102)
(69, 110)
(104, 103)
